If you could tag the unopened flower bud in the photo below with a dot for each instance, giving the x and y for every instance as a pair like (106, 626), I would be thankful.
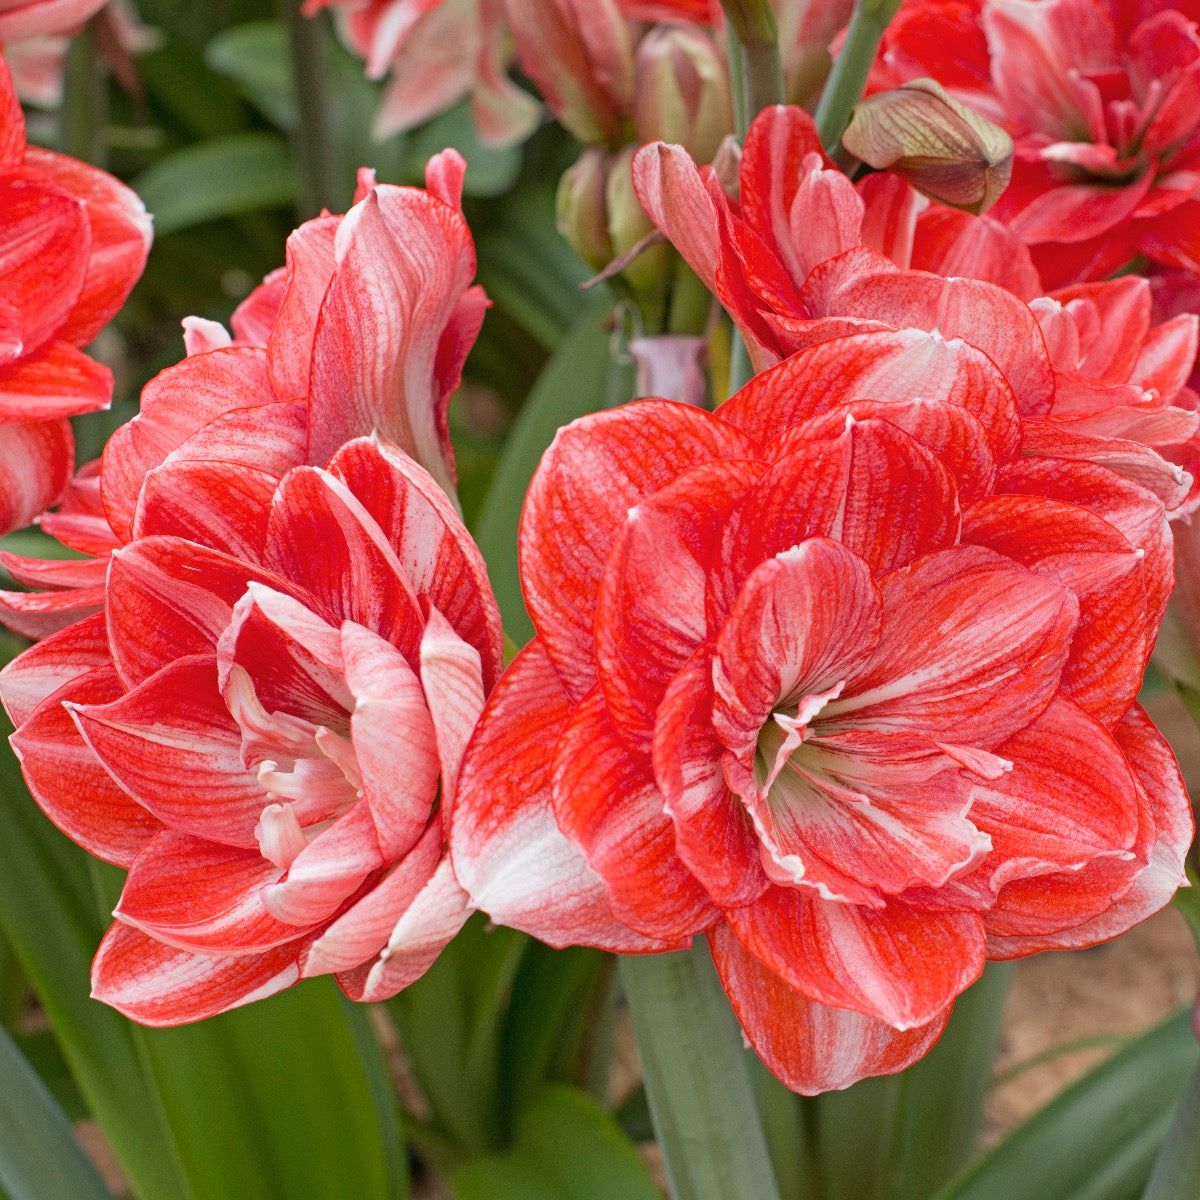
(628, 225)
(944, 149)
(681, 90)
(582, 208)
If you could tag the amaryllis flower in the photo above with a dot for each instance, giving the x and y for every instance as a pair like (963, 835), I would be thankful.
(1101, 99)
(266, 730)
(434, 53)
(73, 242)
(837, 679)
(364, 331)
(802, 256)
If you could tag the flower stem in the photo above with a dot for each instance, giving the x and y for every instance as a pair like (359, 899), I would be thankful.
(754, 65)
(84, 111)
(853, 64)
(312, 137)
(696, 1078)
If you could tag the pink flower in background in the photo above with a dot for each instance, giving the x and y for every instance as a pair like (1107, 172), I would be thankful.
(803, 256)
(364, 331)
(22, 19)
(838, 679)
(435, 52)
(73, 242)
(1103, 103)
(266, 729)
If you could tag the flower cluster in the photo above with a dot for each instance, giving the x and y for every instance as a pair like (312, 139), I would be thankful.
(283, 607)
(841, 678)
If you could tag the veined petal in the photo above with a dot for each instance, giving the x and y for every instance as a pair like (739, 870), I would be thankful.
(362, 931)
(594, 472)
(174, 727)
(452, 680)
(714, 836)
(650, 614)
(322, 538)
(52, 663)
(508, 852)
(68, 781)
(437, 913)
(199, 895)
(804, 620)
(439, 558)
(898, 965)
(986, 655)
(605, 800)
(812, 1047)
(155, 984)
(395, 743)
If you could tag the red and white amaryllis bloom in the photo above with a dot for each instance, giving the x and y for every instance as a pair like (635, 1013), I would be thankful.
(1101, 99)
(365, 330)
(266, 729)
(73, 242)
(838, 679)
(803, 256)
(434, 53)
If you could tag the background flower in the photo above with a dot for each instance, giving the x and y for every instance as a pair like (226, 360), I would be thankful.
(73, 241)
(1100, 99)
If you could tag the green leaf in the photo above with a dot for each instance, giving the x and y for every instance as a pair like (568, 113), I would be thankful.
(566, 1148)
(551, 1014)
(696, 1077)
(254, 56)
(39, 1156)
(450, 1022)
(573, 384)
(1098, 1139)
(1177, 1169)
(528, 269)
(236, 173)
(237, 1106)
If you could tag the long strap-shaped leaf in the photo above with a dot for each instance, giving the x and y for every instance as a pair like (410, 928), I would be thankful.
(696, 1078)
(39, 1156)
(1177, 1169)
(1098, 1140)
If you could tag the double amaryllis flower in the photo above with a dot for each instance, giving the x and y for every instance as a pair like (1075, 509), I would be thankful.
(265, 726)
(73, 242)
(838, 679)
(1101, 101)
(802, 256)
(292, 632)
(365, 330)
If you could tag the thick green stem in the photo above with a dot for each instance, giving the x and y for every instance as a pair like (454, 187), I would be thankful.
(84, 111)
(696, 1078)
(846, 82)
(754, 71)
(312, 138)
